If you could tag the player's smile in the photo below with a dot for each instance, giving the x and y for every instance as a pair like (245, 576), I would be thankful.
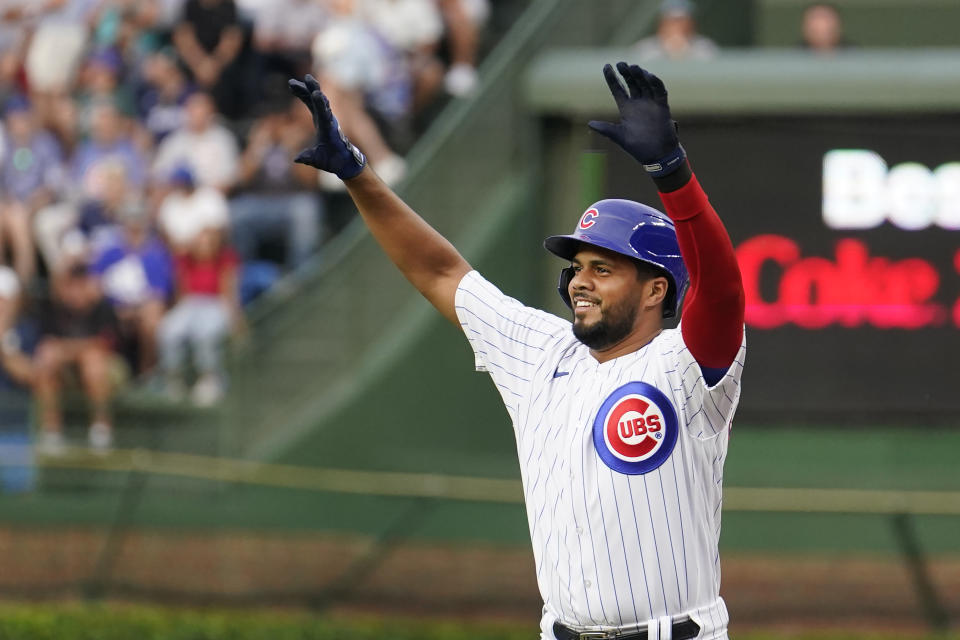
(583, 304)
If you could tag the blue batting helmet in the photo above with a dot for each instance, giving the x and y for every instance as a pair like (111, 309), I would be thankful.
(631, 229)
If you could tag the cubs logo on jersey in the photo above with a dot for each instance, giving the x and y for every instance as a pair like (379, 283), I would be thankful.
(635, 429)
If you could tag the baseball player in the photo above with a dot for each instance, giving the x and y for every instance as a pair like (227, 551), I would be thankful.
(621, 425)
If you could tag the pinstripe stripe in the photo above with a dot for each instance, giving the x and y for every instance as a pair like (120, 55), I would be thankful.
(528, 345)
(673, 555)
(656, 551)
(613, 575)
(623, 544)
(529, 326)
(594, 542)
(683, 537)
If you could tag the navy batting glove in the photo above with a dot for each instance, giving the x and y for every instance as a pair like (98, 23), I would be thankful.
(332, 151)
(645, 130)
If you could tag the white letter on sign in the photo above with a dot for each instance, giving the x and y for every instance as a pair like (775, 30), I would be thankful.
(853, 189)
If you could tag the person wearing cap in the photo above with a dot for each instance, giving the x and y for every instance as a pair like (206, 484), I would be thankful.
(187, 208)
(676, 37)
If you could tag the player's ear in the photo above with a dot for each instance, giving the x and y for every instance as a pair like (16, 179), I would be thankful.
(656, 290)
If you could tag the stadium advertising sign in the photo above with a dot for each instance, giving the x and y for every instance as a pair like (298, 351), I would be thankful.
(847, 232)
(852, 287)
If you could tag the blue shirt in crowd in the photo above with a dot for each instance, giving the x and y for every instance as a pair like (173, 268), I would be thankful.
(29, 167)
(132, 275)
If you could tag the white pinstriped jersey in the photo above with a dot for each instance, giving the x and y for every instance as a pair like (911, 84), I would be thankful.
(621, 463)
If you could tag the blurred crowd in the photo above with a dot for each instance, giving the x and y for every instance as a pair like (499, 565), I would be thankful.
(146, 185)
(147, 192)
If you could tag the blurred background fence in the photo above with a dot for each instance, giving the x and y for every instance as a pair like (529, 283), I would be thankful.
(357, 459)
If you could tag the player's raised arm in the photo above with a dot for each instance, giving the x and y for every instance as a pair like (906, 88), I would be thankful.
(425, 258)
(713, 311)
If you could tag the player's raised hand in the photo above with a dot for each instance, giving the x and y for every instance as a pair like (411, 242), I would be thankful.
(332, 151)
(645, 131)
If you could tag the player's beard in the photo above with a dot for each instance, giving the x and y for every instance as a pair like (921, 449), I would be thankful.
(615, 324)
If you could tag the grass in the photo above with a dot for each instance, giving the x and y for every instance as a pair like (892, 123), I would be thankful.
(121, 621)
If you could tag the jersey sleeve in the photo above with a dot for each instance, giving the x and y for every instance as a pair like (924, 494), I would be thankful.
(707, 408)
(509, 340)
(713, 311)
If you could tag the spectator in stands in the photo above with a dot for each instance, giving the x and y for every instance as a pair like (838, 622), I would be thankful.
(676, 37)
(110, 140)
(90, 219)
(101, 81)
(202, 144)
(13, 34)
(61, 32)
(135, 28)
(12, 43)
(10, 303)
(15, 364)
(63, 121)
(207, 309)
(32, 175)
(77, 329)
(464, 20)
(17, 340)
(109, 191)
(413, 29)
(136, 272)
(283, 31)
(17, 333)
(277, 201)
(188, 208)
(357, 67)
(159, 17)
(210, 40)
(162, 96)
(822, 29)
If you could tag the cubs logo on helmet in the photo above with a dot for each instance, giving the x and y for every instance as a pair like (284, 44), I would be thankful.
(635, 430)
(587, 220)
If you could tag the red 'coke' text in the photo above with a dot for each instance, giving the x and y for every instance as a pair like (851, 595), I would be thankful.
(852, 289)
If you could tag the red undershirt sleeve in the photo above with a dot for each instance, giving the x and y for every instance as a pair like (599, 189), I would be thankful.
(713, 309)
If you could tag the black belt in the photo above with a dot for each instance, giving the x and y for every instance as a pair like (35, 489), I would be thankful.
(682, 629)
